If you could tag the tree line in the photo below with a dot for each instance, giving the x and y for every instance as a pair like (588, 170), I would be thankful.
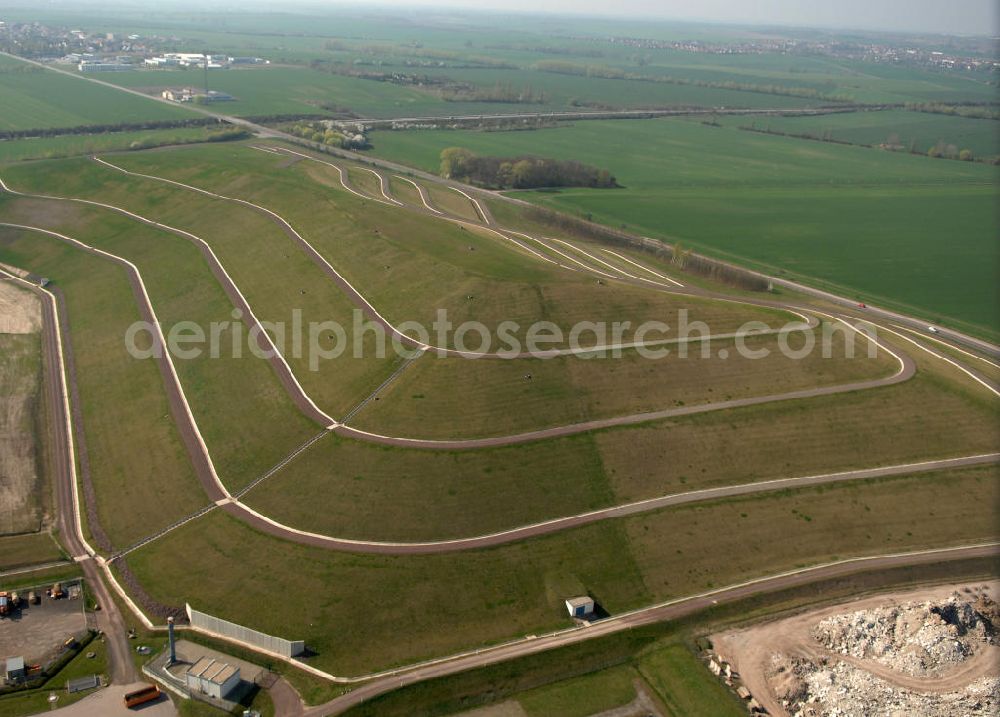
(525, 172)
(111, 127)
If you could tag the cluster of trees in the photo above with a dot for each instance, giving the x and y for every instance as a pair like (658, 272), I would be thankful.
(328, 136)
(976, 111)
(521, 172)
(941, 150)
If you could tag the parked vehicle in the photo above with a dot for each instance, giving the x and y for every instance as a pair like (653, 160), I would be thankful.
(142, 696)
(57, 591)
(33, 598)
(4, 604)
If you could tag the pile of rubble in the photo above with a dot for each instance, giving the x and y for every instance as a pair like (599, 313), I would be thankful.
(920, 639)
(915, 640)
(807, 689)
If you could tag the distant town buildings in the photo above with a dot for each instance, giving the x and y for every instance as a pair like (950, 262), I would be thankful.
(98, 66)
(189, 94)
(197, 59)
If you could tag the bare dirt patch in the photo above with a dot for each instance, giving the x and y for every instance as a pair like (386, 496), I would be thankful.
(926, 651)
(20, 310)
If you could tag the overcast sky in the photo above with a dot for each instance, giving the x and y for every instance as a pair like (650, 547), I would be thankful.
(978, 17)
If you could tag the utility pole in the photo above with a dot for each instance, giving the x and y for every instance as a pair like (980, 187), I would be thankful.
(206, 72)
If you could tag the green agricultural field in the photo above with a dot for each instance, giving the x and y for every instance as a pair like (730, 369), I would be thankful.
(452, 602)
(74, 144)
(910, 232)
(288, 89)
(37, 98)
(909, 131)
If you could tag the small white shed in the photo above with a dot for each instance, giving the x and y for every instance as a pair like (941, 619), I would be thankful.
(213, 678)
(580, 606)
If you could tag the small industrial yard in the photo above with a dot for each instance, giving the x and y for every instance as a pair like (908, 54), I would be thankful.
(37, 631)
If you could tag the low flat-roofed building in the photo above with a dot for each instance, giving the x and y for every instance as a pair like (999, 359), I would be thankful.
(213, 678)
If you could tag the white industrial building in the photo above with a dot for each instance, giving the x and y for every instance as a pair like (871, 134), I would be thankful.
(213, 678)
(90, 66)
(580, 606)
(186, 59)
(14, 671)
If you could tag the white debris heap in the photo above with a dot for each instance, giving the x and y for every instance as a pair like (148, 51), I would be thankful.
(920, 650)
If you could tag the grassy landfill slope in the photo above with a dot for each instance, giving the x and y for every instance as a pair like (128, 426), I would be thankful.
(274, 274)
(411, 265)
(498, 398)
(445, 495)
(360, 490)
(908, 230)
(35, 98)
(248, 421)
(926, 417)
(24, 493)
(28, 549)
(452, 602)
(137, 463)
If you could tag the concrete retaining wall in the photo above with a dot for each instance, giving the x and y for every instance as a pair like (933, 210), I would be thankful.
(277, 645)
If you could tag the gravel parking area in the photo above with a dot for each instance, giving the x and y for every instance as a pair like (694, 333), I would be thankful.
(37, 632)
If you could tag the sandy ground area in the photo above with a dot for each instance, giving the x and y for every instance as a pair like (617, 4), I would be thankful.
(749, 650)
(20, 310)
